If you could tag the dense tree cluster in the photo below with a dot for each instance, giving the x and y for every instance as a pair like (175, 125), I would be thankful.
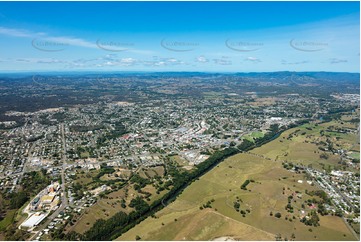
(103, 228)
(18, 199)
(311, 220)
(139, 182)
(104, 170)
(244, 185)
(139, 204)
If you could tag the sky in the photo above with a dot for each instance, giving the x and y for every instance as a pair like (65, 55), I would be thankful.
(180, 36)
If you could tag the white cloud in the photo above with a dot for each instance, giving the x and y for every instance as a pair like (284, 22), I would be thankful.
(154, 63)
(38, 60)
(284, 62)
(108, 63)
(23, 60)
(128, 62)
(83, 61)
(110, 56)
(202, 59)
(50, 61)
(172, 61)
(337, 61)
(107, 60)
(72, 41)
(252, 59)
(59, 39)
(222, 62)
(63, 40)
(14, 32)
(159, 63)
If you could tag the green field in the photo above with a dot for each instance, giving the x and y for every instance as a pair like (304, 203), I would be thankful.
(179, 160)
(302, 145)
(223, 185)
(103, 209)
(212, 95)
(252, 136)
(84, 154)
(184, 220)
(110, 204)
(8, 219)
(355, 155)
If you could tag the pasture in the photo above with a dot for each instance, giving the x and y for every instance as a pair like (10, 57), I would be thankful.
(183, 219)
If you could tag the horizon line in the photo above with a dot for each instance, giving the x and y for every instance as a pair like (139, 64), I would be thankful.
(129, 72)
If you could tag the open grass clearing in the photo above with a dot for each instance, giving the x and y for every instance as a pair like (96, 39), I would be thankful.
(263, 196)
(8, 219)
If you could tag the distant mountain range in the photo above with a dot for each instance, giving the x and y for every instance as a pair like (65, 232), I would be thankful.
(279, 74)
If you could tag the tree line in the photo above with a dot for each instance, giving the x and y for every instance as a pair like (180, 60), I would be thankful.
(121, 222)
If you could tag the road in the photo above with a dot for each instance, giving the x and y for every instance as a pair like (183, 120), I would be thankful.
(314, 115)
(64, 199)
(27, 161)
(343, 197)
(351, 229)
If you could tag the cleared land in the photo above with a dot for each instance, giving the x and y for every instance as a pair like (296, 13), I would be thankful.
(306, 145)
(253, 136)
(119, 200)
(184, 219)
(8, 219)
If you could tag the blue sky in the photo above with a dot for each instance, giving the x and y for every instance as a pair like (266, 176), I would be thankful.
(180, 36)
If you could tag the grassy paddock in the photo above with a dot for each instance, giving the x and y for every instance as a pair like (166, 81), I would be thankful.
(184, 220)
(8, 219)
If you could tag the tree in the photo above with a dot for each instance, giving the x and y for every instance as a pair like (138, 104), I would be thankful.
(324, 156)
(278, 215)
(278, 237)
(244, 185)
(322, 210)
(338, 212)
(102, 229)
(312, 221)
(236, 206)
(289, 206)
(18, 199)
(139, 204)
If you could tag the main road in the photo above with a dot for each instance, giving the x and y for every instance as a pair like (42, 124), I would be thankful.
(64, 197)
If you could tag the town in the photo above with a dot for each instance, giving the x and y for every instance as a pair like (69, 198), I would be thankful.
(108, 142)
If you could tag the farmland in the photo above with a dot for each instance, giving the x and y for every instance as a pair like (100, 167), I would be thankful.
(109, 203)
(190, 218)
(313, 144)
